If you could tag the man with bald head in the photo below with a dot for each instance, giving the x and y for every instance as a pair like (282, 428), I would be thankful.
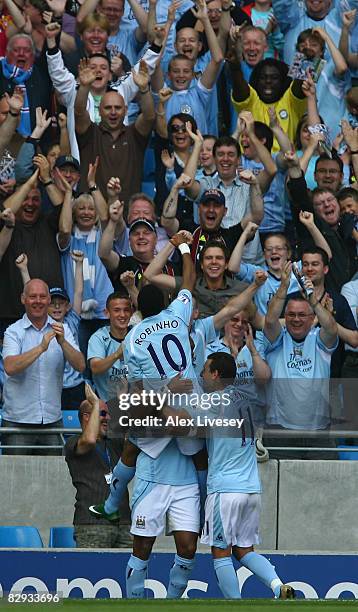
(35, 352)
(119, 147)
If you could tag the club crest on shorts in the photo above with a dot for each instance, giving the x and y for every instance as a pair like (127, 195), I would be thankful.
(140, 522)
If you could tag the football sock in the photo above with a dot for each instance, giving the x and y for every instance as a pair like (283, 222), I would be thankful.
(263, 569)
(122, 475)
(226, 577)
(136, 573)
(202, 477)
(179, 576)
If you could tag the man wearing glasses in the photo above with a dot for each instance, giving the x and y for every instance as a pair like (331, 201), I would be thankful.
(299, 356)
(91, 457)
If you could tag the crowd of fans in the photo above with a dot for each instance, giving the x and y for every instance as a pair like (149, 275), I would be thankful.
(235, 125)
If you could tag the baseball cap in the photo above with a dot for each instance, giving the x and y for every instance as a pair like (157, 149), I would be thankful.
(149, 224)
(213, 194)
(60, 293)
(67, 160)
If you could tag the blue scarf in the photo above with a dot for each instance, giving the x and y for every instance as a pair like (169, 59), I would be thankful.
(19, 76)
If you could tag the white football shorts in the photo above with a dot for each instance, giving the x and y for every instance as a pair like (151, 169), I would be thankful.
(159, 508)
(232, 519)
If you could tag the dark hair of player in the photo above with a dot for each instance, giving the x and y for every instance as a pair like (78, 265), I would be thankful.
(150, 301)
(224, 364)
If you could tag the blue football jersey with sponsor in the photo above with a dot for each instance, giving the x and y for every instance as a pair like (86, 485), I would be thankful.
(298, 393)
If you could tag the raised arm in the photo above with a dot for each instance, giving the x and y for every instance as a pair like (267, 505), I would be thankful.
(17, 17)
(153, 273)
(240, 87)
(348, 20)
(109, 257)
(256, 213)
(270, 169)
(145, 121)
(99, 201)
(53, 192)
(307, 219)
(87, 8)
(8, 219)
(272, 327)
(16, 199)
(192, 164)
(211, 72)
(337, 57)
(65, 145)
(351, 137)
(225, 24)
(261, 369)
(297, 185)
(239, 302)
(66, 221)
(88, 439)
(127, 279)
(24, 165)
(236, 256)
(329, 331)
(310, 150)
(141, 17)
(86, 76)
(281, 137)
(168, 218)
(77, 257)
(21, 263)
(161, 127)
(8, 127)
(181, 242)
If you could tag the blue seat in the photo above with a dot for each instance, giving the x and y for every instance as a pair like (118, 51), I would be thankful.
(61, 537)
(149, 188)
(20, 537)
(70, 419)
(348, 456)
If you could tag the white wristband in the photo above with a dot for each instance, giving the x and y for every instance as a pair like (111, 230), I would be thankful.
(184, 248)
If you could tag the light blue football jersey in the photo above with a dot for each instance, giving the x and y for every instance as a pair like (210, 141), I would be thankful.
(170, 467)
(298, 393)
(265, 293)
(245, 376)
(202, 332)
(232, 461)
(158, 348)
(102, 344)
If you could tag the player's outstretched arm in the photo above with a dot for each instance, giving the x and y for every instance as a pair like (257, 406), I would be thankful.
(181, 242)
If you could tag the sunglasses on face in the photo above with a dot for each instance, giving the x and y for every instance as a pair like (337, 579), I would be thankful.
(178, 128)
